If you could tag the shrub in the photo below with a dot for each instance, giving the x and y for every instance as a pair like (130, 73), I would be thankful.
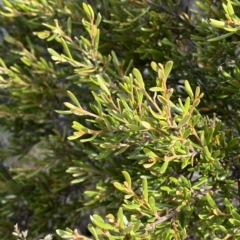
(152, 155)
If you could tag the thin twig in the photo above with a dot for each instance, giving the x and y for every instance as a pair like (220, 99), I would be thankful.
(164, 218)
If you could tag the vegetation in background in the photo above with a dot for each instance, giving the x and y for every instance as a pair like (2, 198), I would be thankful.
(151, 91)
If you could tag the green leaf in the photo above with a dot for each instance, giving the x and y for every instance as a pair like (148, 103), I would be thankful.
(129, 66)
(175, 180)
(156, 115)
(232, 143)
(234, 222)
(188, 89)
(184, 121)
(127, 178)
(187, 105)
(152, 202)
(120, 217)
(64, 234)
(99, 19)
(196, 102)
(185, 162)
(164, 167)
(88, 139)
(154, 66)
(163, 100)
(63, 112)
(74, 99)
(168, 43)
(65, 46)
(216, 23)
(207, 152)
(86, 41)
(149, 153)
(54, 53)
(187, 132)
(131, 207)
(148, 165)
(69, 26)
(93, 231)
(137, 226)
(211, 201)
(88, 10)
(99, 222)
(197, 92)
(230, 10)
(145, 189)
(166, 188)
(156, 89)
(103, 85)
(115, 59)
(221, 37)
(108, 145)
(70, 106)
(119, 186)
(96, 40)
(78, 126)
(146, 124)
(139, 78)
(79, 180)
(73, 137)
(168, 68)
(235, 214)
(201, 181)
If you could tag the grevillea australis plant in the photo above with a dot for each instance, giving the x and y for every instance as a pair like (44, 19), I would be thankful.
(160, 160)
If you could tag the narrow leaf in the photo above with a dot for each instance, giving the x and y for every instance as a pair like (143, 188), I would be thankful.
(53, 53)
(69, 26)
(152, 202)
(119, 186)
(115, 59)
(216, 23)
(120, 217)
(99, 19)
(146, 124)
(98, 221)
(184, 121)
(70, 106)
(221, 37)
(168, 68)
(73, 98)
(149, 153)
(88, 10)
(211, 201)
(127, 177)
(164, 167)
(154, 66)
(65, 46)
(230, 10)
(188, 89)
(139, 78)
(145, 189)
(235, 214)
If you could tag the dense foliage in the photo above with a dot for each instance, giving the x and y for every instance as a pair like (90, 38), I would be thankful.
(151, 154)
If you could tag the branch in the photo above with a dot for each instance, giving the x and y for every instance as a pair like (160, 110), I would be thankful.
(164, 218)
